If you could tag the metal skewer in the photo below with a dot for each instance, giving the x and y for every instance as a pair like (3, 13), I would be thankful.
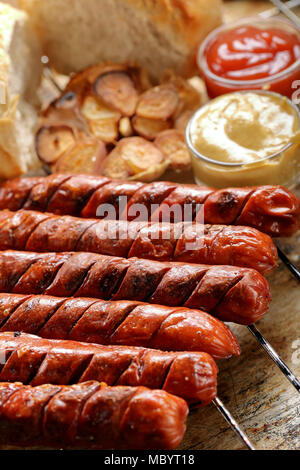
(266, 345)
(275, 357)
(292, 268)
(233, 423)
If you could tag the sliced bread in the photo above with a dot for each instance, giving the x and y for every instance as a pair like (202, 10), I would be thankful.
(20, 74)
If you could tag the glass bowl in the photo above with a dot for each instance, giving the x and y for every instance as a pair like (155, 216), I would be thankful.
(280, 168)
(284, 82)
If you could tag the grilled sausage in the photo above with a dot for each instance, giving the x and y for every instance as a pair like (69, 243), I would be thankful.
(90, 416)
(36, 361)
(232, 294)
(125, 323)
(231, 245)
(271, 209)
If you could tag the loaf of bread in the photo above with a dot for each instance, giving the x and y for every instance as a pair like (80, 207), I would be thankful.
(154, 34)
(20, 74)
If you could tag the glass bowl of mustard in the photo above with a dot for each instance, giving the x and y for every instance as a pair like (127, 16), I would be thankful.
(246, 138)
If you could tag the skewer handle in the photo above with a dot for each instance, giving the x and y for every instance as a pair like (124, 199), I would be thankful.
(233, 423)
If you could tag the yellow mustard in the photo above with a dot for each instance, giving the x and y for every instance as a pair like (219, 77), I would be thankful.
(250, 138)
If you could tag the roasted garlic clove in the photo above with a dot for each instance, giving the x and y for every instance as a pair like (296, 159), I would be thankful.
(171, 143)
(67, 100)
(125, 127)
(158, 103)
(115, 167)
(94, 110)
(66, 113)
(149, 128)
(105, 130)
(117, 90)
(85, 157)
(152, 173)
(132, 157)
(191, 93)
(139, 154)
(81, 82)
(182, 120)
(53, 141)
(103, 122)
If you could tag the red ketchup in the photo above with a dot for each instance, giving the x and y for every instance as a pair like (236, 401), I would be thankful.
(247, 53)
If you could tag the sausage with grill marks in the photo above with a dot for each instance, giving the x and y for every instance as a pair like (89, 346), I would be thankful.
(90, 415)
(125, 323)
(271, 209)
(220, 245)
(36, 361)
(229, 293)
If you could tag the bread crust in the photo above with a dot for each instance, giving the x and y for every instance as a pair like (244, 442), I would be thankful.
(186, 17)
(155, 34)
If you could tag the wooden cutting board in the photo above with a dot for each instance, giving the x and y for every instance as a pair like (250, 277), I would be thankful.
(265, 404)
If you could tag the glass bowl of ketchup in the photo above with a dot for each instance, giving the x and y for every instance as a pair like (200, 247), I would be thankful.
(252, 54)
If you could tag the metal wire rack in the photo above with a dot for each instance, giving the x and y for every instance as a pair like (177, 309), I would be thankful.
(287, 8)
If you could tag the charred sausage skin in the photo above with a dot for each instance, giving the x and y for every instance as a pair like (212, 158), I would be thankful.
(238, 295)
(271, 209)
(36, 361)
(196, 243)
(90, 415)
(125, 323)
